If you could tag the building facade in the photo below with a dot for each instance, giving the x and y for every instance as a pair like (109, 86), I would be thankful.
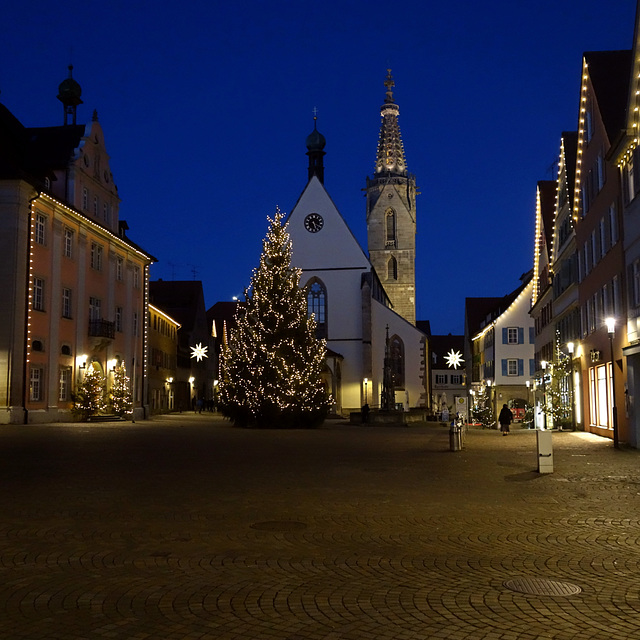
(76, 287)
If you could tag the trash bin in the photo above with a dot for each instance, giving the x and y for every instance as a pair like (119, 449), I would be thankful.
(455, 438)
(545, 451)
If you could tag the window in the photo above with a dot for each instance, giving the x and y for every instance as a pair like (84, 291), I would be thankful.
(96, 256)
(603, 239)
(441, 378)
(40, 228)
(105, 213)
(118, 318)
(512, 367)
(390, 228)
(119, 268)
(396, 353)
(66, 302)
(95, 308)
(136, 277)
(65, 384)
(613, 224)
(600, 395)
(68, 243)
(317, 304)
(95, 206)
(38, 294)
(636, 282)
(35, 384)
(512, 335)
(135, 323)
(594, 248)
(456, 378)
(85, 198)
(392, 269)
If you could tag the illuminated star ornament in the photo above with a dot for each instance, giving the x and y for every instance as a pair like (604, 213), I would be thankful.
(454, 359)
(199, 352)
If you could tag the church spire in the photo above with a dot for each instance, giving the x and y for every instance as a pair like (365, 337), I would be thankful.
(315, 151)
(390, 158)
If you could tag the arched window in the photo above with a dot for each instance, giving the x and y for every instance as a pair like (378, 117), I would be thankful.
(317, 304)
(392, 269)
(390, 228)
(396, 351)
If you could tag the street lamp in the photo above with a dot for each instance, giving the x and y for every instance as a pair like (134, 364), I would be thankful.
(528, 383)
(543, 364)
(571, 348)
(366, 380)
(611, 328)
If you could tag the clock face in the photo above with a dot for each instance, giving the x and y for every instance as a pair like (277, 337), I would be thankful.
(313, 222)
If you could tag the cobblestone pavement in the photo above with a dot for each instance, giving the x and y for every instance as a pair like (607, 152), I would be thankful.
(184, 527)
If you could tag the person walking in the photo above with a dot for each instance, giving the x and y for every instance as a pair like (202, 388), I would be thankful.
(505, 418)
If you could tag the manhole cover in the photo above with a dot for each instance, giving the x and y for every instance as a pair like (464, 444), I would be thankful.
(279, 525)
(541, 587)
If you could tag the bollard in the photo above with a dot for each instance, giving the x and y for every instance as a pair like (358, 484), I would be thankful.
(545, 451)
(455, 438)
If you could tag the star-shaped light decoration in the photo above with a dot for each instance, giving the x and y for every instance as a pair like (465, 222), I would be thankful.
(454, 359)
(199, 352)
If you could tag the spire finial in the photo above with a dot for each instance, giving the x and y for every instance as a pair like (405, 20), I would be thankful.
(389, 83)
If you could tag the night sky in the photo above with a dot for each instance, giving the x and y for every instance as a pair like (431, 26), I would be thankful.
(206, 106)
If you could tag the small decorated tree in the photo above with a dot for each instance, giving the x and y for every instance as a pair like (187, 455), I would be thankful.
(89, 399)
(558, 388)
(271, 365)
(121, 399)
(482, 409)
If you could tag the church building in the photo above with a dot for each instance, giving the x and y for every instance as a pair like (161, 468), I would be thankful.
(364, 304)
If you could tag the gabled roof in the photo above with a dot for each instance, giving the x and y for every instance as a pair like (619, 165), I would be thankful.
(222, 315)
(548, 190)
(570, 139)
(181, 299)
(440, 346)
(480, 312)
(610, 72)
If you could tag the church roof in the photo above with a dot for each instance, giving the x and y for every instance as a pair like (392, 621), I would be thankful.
(390, 157)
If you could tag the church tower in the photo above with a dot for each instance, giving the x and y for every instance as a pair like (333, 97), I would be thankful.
(391, 213)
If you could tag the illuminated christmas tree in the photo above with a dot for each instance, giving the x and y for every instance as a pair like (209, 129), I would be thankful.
(482, 409)
(90, 394)
(121, 401)
(272, 363)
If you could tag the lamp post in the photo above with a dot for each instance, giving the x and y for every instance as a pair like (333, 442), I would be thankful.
(611, 327)
(366, 381)
(528, 383)
(543, 364)
(571, 348)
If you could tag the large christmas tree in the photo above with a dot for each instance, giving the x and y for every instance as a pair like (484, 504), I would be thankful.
(272, 363)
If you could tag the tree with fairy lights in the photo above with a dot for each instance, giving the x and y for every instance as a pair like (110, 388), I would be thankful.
(271, 364)
(482, 409)
(89, 398)
(121, 400)
(558, 388)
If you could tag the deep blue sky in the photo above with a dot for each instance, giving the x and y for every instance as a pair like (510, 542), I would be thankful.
(206, 106)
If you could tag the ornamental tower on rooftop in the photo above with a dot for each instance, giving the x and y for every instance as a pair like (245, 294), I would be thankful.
(391, 213)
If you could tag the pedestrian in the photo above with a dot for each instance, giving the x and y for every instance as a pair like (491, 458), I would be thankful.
(365, 413)
(505, 418)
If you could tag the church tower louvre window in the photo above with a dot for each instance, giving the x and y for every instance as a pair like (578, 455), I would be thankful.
(391, 212)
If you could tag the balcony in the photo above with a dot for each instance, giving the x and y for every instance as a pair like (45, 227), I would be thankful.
(102, 329)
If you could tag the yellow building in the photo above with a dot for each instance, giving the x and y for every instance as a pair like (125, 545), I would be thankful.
(75, 287)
